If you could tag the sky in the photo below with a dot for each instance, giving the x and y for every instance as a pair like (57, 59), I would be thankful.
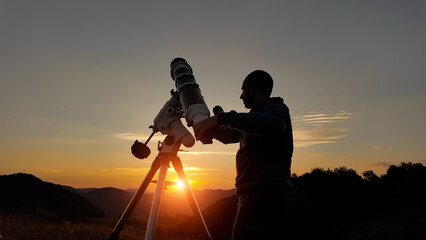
(81, 80)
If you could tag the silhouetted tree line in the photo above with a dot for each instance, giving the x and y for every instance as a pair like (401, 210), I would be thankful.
(340, 204)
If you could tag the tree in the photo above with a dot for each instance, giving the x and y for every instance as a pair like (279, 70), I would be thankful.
(370, 176)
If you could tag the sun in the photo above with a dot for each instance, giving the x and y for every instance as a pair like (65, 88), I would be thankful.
(179, 184)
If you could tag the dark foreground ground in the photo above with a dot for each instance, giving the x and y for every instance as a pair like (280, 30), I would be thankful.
(28, 228)
(410, 225)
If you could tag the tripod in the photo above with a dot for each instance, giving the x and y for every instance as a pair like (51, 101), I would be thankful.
(167, 154)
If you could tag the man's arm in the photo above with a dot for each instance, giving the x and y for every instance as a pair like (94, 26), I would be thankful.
(227, 135)
(270, 121)
(209, 128)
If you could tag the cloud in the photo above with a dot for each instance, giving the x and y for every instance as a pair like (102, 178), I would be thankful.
(321, 117)
(140, 136)
(314, 128)
(324, 118)
(380, 164)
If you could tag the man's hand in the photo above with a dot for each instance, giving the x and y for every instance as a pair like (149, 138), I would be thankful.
(204, 130)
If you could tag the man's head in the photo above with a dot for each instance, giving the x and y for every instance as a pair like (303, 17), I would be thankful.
(257, 87)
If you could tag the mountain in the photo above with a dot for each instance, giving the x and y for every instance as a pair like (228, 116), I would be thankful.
(114, 201)
(207, 197)
(26, 194)
(176, 203)
(79, 191)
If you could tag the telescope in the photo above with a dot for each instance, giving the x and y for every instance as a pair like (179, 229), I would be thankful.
(185, 102)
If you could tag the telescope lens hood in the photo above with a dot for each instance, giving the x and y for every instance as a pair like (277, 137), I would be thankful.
(179, 67)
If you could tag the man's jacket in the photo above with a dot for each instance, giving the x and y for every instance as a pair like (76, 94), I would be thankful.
(266, 144)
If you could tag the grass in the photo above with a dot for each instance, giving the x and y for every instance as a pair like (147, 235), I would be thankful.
(19, 227)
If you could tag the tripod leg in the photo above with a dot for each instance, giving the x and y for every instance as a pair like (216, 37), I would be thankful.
(156, 201)
(177, 164)
(132, 204)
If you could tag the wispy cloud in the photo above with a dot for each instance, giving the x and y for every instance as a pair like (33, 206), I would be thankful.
(140, 136)
(321, 117)
(324, 118)
(380, 164)
(316, 128)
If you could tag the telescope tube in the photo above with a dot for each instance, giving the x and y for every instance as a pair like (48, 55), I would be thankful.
(192, 101)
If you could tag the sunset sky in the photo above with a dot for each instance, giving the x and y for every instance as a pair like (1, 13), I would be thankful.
(81, 80)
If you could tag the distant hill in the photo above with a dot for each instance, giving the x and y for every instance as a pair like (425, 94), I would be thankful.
(208, 197)
(176, 203)
(26, 194)
(114, 201)
(80, 191)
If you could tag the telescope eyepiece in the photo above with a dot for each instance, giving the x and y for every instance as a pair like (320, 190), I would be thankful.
(217, 110)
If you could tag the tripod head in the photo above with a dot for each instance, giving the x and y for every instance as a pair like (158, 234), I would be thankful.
(186, 101)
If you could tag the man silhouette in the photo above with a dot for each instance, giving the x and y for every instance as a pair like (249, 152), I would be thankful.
(263, 160)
